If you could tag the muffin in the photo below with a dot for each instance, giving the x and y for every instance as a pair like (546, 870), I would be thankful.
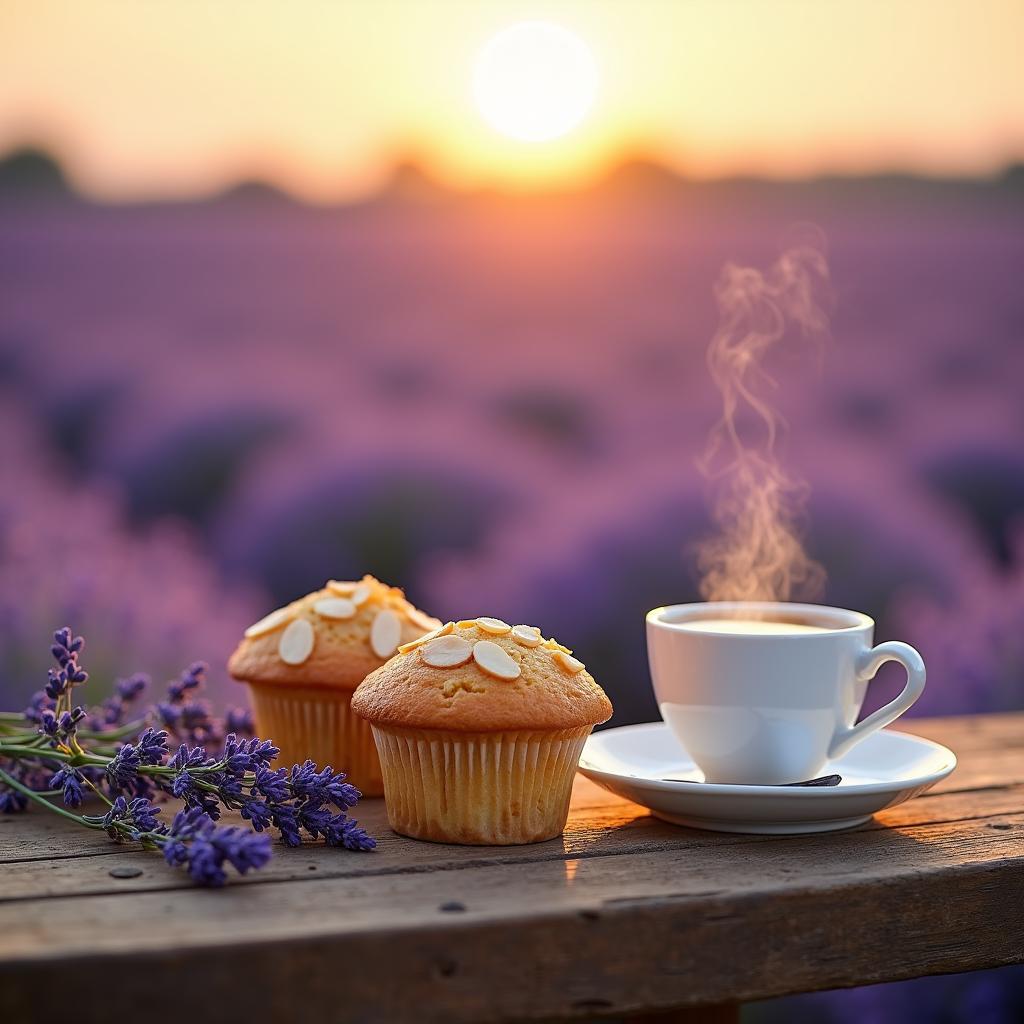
(302, 663)
(479, 726)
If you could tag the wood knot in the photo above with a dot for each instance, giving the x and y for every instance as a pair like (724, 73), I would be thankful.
(592, 1005)
(447, 968)
(125, 872)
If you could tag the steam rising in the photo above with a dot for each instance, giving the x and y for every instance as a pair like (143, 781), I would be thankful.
(757, 554)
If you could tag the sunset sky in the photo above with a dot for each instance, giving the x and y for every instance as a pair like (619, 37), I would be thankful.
(152, 97)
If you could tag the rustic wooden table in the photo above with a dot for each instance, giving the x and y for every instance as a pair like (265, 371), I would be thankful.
(623, 916)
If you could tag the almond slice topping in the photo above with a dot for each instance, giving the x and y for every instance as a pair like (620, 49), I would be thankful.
(296, 643)
(275, 620)
(420, 619)
(495, 660)
(554, 645)
(446, 651)
(334, 608)
(385, 633)
(342, 587)
(568, 662)
(495, 626)
(466, 624)
(528, 636)
(426, 638)
(361, 594)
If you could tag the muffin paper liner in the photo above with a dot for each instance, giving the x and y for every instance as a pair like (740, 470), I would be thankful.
(487, 789)
(318, 723)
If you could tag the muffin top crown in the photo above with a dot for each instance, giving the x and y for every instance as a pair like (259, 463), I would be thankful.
(482, 675)
(332, 637)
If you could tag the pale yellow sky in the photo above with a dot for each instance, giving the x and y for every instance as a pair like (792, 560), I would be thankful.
(173, 97)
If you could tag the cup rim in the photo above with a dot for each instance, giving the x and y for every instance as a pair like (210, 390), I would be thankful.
(847, 620)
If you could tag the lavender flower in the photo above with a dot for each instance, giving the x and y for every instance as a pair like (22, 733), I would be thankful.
(315, 818)
(184, 828)
(27, 772)
(285, 817)
(322, 786)
(66, 646)
(346, 832)
(242, 756)
(191, 679)
(130, 688)
(56, 685)
(205, 862)
(69, 780)
(143, 813)
(238, 774)
(258, 813)
(123, 769)
(113, 710)
(129, 819)
(188, 720)
(189, 757)
(60, 729)
(11, 801)
(242, 848)
(168, 715)
(272, 783)
(40, 701)
(65, 650)
(152, 746)
(196, 841)
(183, 786)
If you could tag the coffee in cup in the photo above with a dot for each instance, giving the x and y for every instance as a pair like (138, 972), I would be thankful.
(767, 693)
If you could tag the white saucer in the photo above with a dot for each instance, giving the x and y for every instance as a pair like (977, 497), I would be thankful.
(885, 769)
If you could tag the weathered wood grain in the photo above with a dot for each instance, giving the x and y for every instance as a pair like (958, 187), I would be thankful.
(564, 937)
(965, 733)
(507, 891)
(623, 914)
(617, 828)
(622, 830)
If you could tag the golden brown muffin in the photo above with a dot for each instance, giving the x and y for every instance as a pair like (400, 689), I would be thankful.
(302, 663)
(479, 726)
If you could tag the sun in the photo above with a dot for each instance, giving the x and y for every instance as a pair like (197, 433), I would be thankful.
(535, 81)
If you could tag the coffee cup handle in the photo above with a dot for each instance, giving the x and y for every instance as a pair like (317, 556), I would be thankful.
(867, 665)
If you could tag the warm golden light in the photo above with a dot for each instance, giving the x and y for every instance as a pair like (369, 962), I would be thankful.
(322, 98)
(535, 81)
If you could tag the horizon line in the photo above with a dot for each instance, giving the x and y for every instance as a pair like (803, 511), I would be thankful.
(409, 176)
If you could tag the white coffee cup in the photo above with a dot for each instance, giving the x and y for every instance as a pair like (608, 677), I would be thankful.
(767, 693)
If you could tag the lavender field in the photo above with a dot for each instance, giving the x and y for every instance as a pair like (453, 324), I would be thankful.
(499, 404)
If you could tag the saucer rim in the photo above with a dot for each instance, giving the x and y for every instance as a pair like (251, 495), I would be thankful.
(795, 792)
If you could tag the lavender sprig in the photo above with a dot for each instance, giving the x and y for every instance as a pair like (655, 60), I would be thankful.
(195, 841)
(55, 749)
